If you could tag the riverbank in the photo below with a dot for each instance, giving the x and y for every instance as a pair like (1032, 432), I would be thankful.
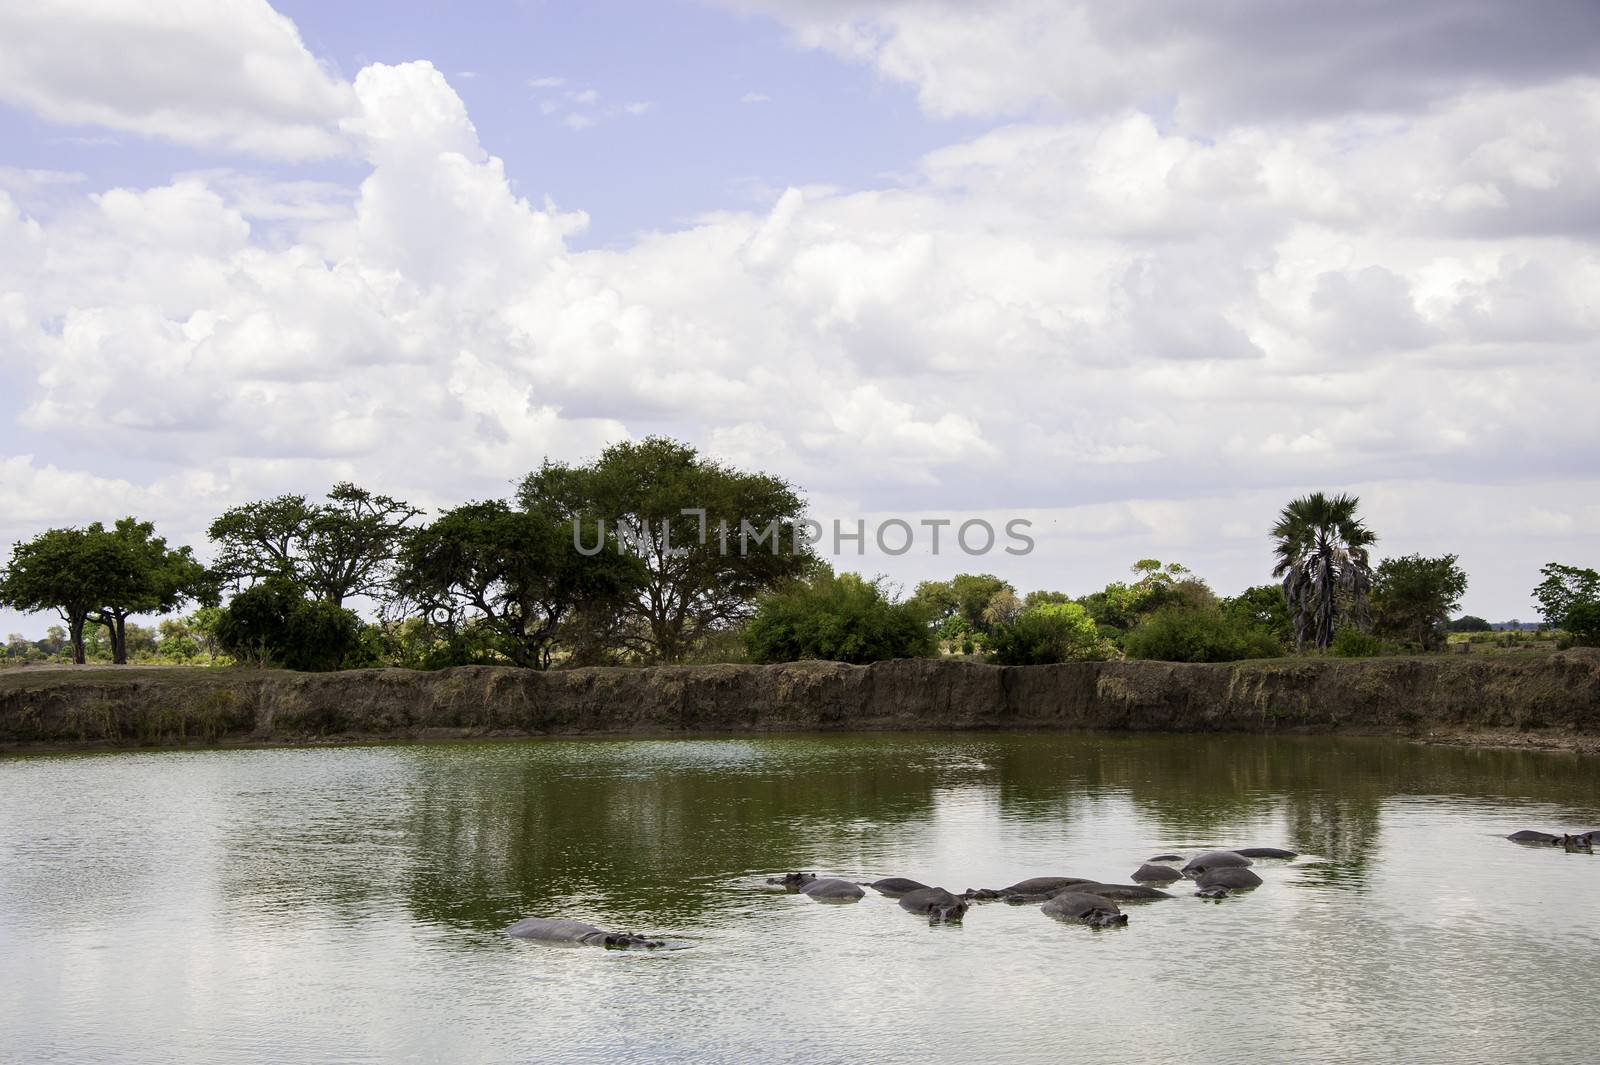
(1546, 701)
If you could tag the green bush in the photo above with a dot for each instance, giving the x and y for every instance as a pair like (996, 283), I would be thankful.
(273, 623)
(1583, 624)
(1200, 634)
(1351, 642)
(837, 618)
(1045, 634)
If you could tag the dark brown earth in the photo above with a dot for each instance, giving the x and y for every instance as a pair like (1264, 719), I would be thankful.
(1534, 701)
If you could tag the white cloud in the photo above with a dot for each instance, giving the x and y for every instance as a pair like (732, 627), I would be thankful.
(546, 83)
(1251, 60)
(228, 74)
(755, 98)
(1164, 334)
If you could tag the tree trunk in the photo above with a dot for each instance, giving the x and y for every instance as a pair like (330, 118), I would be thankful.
(75, 632)
(119, 640)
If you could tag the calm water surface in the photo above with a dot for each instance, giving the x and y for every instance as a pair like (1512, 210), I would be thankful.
(345, 905)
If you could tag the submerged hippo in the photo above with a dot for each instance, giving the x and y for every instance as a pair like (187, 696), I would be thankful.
(832, 890)
(1265, 852)
(792, 882)
(1157, 873)
(895, 886)
(1216, 860)
(1123, 892)
(563, 930)
(937, 903)
(1096, 911)
(1215, 891)
(1583, 844)
(1528, 835)
(1034, 889)
(1229, 876)
(1167, 858)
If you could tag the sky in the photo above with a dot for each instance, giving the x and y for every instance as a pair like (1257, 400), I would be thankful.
(1137, 273)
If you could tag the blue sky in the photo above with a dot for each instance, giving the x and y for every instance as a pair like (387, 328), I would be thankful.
(1138, 272)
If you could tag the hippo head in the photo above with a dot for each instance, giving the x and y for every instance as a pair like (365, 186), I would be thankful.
(1104, 919)
(1583, 844)
(792, 881)
(629, 941)
(950, 912)
(980, 894)
(1215, 891)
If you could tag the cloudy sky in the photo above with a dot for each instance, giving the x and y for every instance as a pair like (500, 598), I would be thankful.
(1139, 272)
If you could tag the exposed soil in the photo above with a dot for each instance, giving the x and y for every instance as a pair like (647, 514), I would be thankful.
(1547, 701)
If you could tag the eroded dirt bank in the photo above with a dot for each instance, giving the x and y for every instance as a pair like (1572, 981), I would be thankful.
(1549, 701)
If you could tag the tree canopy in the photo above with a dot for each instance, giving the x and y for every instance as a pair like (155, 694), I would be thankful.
(513, 572)
(709, 538)
(334, 550)
(1413, 598)
(102, 575)
(1322, 559)
(1563, 588)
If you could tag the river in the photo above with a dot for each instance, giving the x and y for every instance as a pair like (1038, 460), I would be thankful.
(345, 904)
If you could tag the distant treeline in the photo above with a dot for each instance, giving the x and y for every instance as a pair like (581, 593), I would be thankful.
(653, 553)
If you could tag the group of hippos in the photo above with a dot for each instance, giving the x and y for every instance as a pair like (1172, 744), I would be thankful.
(1067, 898)
(1581, 843)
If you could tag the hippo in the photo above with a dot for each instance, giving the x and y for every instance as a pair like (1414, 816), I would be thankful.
(1123, 892)
(1265, 852)
(1093, 910)
(1034, 889)
(1215, 860)
(1215, 891)
(1229, 876)
(792, 882)
(1158, 873)
(895, 886)
(1583, 844)
(1528, 835)
(1167, 858)
(832, 890)
(936, 902)
(563, 930)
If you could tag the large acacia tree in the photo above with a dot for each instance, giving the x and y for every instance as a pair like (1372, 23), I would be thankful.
(104, 576)
(1323, 561)
(710, 538)
(147, 577)
(336, 549)
(513, 573)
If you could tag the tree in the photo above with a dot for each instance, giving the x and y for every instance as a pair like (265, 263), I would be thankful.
(144, 577)
(1563, 588)
(1264, 607)
(1323, 562)
(1413, 598)
(1469, 623)
(337, 549)
(1582, 623)
(515, 572)
(840, 618)
(65, 570)
(960, 606)
(272, 622)
(709, 538)
(1053, 632)
(1120, 606)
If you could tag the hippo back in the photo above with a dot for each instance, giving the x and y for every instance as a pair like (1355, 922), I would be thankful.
(553, 929)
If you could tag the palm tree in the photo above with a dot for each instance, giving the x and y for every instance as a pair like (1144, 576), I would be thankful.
(1322, 558)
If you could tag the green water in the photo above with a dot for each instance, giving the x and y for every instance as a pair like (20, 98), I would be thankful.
(345, 904)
